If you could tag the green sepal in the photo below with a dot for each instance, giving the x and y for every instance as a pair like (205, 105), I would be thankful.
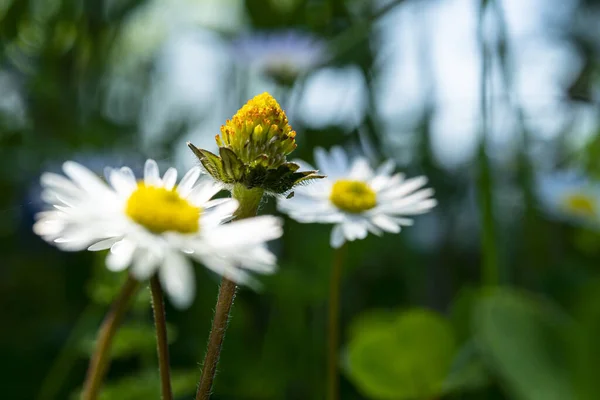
(232, 166)
(211, 163)
(228, 168)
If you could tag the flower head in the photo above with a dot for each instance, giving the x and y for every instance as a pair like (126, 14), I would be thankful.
(282, 55)
(253, 146)
(570, 196)
(358, 200)
(154, 226)
(259, 133)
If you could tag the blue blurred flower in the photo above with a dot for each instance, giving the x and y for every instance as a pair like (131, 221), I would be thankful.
(282, 55)
(571, 197)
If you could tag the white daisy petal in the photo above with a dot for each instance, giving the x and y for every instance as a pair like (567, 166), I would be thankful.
(187, 182)
(120, 256)
(204, 191)
(360, 171)
(246, 232)
(227, 269)
(385, 223)
(386, 168)
(104, 244)
(217, 202)
(333, 165)
(145, 264)
(413, 209)
(354, 230)
(128, 175)
(151, 174)
(59, 184)
(220, 213)
(403, 221)
(84, 178)
(322, 160)
(337, 237)
(339, 159)
(408, 186)
(169, 178)
(121, 181)
(177, 277)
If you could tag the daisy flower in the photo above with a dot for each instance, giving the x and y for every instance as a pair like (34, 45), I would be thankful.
(569, 196)
(155, 226)
(357, 199)
(282, 55)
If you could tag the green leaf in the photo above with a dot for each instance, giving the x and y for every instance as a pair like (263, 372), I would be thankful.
(524, 341)
(468, 371)
(586, 344)
(461, 312)
(146, 385)
(371, 321)
(408, 358)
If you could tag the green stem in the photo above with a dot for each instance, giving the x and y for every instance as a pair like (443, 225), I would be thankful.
(101, 357)
(215, 341)
(490, 269)
(334, 325)
(249, 200)
(68, 355)
(349, 38)
(162, 343)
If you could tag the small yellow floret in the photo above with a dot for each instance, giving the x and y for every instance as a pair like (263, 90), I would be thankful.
(580, 204)
(160, 210)
(259, 127)
(353, 196)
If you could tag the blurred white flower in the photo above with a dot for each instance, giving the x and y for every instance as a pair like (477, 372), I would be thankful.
(356, 199)
(571, 197)
(334, 97)
(154, 226)
(282, 55)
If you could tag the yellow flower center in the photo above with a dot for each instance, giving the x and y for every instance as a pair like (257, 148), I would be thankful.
(353, 196)
(580, 204)
(160, 210)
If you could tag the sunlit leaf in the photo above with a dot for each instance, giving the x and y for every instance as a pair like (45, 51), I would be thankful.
(407, 359)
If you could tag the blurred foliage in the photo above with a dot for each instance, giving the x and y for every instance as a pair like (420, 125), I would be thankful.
(407, 358)
(525, 342)
(417, 322)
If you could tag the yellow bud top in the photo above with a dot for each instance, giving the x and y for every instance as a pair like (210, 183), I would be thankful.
(259, 132)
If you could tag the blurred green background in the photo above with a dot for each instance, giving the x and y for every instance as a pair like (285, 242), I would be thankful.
(488, 297)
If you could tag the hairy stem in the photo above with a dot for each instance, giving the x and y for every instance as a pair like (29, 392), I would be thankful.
(162, 343)
(101, 357)
(215, 340)
(249, 200)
